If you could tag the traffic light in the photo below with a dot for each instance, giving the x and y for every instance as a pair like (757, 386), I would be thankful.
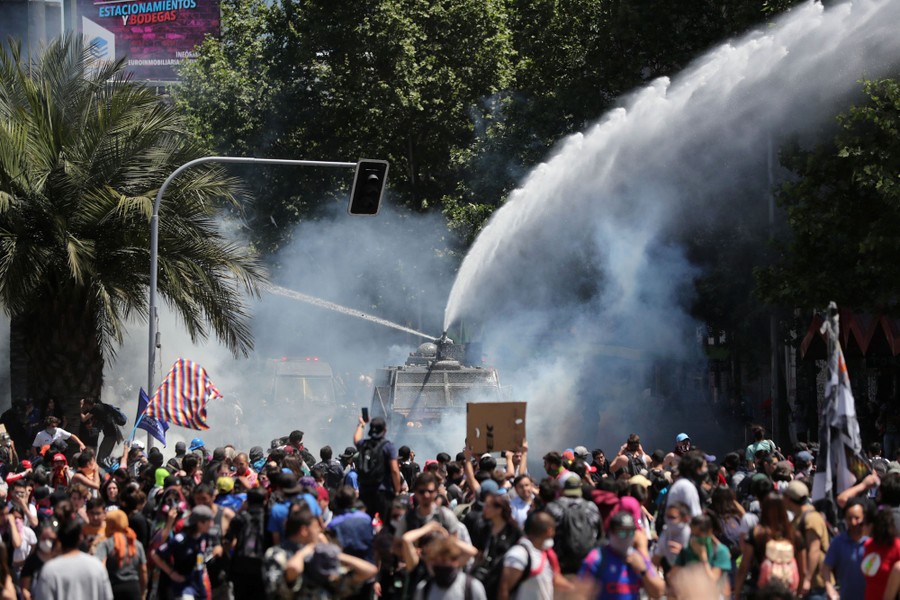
(368, 187)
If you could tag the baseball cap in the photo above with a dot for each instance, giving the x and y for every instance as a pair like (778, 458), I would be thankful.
(137, 445)
(681, 437)
(377, 427)
(581, 452)
(224, 484)
(490, 488)
(349, 452)
(796, 491)
(572, 486)
(622, 520)
(59, 457)
(804, 456)
(639, 480)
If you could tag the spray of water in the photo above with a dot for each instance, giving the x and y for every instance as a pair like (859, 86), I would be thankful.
(676, 148)
(593, 243)
(352, 312)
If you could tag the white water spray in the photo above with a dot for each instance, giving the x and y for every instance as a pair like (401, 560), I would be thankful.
(352, 312)
(612, 197)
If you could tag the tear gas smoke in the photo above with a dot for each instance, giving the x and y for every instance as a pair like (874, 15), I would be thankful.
(589, 252)
(391, 267)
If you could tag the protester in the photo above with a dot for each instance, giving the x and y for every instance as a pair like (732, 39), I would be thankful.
(123, 556)
(73, 575)
(811, 526)
(618, 565)
(377, 467)
(845, 555)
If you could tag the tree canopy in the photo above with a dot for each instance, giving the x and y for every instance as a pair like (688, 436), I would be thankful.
(83, 151)
(841, 210)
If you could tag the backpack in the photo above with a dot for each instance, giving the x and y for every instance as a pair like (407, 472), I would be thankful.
(334, 475)
(371, 466)
(779, 565)
(577, 533)
(250, 547)
(731, 534)
(635, 465)
(115, 414)
(880, 466)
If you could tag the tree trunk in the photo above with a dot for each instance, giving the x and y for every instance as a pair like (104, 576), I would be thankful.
(55, 353)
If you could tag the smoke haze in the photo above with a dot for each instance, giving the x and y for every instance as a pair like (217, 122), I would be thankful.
(579, 285)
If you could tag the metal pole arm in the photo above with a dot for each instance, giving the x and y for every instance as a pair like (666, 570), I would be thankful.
(154, 228)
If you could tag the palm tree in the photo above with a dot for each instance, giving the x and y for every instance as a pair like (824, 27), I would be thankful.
(83, 150)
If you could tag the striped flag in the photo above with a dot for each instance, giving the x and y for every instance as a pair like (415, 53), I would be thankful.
(181, 398)
(155, 427)
(839, 464)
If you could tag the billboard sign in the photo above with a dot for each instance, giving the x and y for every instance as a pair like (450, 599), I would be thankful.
(154, 35)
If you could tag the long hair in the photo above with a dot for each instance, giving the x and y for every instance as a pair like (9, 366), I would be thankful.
(124, 537)
(883, 528)
(502, 502)
(773, 519)
(722, 502)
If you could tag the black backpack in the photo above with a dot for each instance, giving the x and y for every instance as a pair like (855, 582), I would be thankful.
(371, 466)
(334, 475)
(577, 534)
(115, 414)
(250, 547)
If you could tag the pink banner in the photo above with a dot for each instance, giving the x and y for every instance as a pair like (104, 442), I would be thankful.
(154, 35)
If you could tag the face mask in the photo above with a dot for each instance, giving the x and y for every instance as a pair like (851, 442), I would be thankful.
(52, 431)
(445, 575)
(676, 527)
(46, 546)
(547, 544)
(621, 544)
(395, 524)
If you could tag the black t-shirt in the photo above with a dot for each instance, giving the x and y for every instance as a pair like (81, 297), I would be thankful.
(138, 522)
(32, 567)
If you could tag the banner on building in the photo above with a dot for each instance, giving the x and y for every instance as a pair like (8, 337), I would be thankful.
(154, 36)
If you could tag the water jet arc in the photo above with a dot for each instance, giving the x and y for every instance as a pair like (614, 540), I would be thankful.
(286, 293)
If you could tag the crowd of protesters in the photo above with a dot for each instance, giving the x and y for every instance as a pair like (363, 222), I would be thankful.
(374, 520)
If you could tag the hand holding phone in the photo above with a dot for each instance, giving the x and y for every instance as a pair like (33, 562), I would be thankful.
(365, 414)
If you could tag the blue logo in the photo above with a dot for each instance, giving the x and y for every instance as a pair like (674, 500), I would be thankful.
(99, 48)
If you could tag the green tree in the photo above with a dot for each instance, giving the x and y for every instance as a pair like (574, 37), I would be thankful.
(841, 212)
(83, 151)
(575, 59)
(403, 80)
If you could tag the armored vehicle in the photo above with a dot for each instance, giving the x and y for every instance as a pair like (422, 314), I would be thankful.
(438, 379)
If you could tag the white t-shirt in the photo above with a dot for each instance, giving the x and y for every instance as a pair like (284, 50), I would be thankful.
(45, 439)
(539, 584)
(685, 492)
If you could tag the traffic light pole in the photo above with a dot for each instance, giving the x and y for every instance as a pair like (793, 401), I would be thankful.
(154, 235)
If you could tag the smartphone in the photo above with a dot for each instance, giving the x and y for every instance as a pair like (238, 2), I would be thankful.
(365, 414)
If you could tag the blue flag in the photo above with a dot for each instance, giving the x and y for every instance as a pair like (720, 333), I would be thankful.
(155, 427)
